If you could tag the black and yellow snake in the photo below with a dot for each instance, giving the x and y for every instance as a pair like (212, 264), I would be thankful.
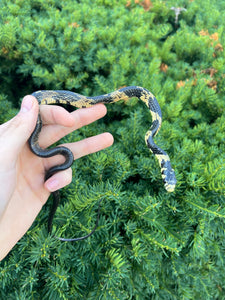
(80, 101)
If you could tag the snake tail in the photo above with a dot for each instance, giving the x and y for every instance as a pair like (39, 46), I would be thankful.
(85, 236)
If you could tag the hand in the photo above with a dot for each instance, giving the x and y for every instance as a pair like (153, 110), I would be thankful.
(23, 191)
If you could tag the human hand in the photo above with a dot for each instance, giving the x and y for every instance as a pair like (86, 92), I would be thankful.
(23, 190)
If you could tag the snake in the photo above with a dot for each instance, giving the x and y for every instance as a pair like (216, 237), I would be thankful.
(80, 101)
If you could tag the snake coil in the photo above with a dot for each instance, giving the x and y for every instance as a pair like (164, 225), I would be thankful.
(80, 101)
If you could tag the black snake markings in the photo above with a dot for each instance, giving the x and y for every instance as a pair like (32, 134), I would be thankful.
(80, 101)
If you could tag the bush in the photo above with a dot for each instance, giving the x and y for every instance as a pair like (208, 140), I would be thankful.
(149, 244)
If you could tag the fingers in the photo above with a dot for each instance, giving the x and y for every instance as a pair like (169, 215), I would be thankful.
(59, 180)
(79, 149)
(90, 145)
(54, 114)
(82, 148)
(77, 119)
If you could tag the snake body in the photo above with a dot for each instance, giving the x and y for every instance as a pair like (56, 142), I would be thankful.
(80, 101)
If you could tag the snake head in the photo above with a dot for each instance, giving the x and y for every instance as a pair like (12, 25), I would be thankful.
(168, 176)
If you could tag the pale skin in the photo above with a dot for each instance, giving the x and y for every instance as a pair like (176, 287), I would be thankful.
(23, 190)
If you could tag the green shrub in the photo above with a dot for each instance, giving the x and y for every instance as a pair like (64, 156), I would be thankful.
(149, 244)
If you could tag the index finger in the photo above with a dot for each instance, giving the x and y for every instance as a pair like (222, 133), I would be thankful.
(81, 117)
(54, 114)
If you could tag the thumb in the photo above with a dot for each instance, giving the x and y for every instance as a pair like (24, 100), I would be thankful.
(19, 129)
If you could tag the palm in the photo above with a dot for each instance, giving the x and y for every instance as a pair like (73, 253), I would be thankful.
(30, 176)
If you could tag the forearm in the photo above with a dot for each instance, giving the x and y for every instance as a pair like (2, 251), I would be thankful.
(16, 220)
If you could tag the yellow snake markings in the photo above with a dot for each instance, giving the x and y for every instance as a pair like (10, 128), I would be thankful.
(80, 101)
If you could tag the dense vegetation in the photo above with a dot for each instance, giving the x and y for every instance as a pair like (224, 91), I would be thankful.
(149, 244)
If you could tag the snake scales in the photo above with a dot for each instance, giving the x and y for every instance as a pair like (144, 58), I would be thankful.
(80, 101)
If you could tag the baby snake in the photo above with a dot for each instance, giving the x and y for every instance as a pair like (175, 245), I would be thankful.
(80, 101)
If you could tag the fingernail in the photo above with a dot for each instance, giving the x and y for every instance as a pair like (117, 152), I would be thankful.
(53, 185)
(27, 104)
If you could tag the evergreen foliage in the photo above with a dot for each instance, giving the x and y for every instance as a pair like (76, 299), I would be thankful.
(149, 244)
